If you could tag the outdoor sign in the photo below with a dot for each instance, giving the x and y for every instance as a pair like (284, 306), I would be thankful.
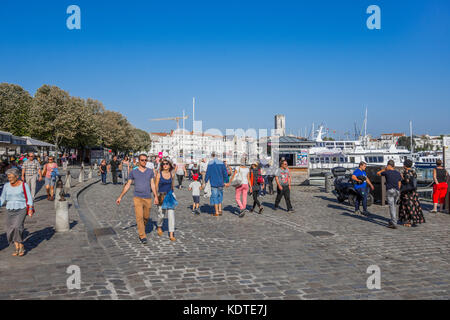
(446, 146)
(302, 159)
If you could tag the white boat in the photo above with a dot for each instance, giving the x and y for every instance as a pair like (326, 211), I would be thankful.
(426, 160)
(348, 154)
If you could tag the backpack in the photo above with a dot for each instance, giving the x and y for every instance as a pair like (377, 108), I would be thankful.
(260, 179)
(54, 174)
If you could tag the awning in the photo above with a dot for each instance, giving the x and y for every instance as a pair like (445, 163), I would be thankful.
(37, 143)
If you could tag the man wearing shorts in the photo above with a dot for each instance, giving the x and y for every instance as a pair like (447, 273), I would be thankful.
(216, 174)
(144, 186)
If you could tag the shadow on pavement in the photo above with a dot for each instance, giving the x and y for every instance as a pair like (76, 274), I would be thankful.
(34, 239)
(268, 204)
(40, 198)
(272, 206)
(368, 218)
(3, 242)
(333, 206)
(73, 224)
(232, 210)
(207, 209)
(326, 198)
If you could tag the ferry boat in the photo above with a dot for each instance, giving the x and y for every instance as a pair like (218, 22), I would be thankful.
(348, 154)
(426, 160)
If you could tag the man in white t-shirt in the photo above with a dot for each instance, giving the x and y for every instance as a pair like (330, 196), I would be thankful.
(149, 164)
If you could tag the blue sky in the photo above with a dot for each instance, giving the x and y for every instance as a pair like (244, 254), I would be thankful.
(244, 61)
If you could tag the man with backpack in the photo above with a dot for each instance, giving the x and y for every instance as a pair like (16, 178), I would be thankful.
(256, 184)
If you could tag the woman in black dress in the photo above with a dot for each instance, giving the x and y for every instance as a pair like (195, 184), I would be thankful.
(410, 212)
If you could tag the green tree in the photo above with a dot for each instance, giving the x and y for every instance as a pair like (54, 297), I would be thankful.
(141, 140)
(406, 142)
(15, 104)
(51, 118)
(87, 133)
(115, 131)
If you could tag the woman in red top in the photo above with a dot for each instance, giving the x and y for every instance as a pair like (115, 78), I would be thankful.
(440, 187)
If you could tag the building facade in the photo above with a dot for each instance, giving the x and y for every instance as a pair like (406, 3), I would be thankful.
(188, 145)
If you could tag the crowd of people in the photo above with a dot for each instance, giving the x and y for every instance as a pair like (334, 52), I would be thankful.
(155, 180)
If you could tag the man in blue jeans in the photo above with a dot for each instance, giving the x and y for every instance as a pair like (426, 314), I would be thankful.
(361, 182)
(216, 174)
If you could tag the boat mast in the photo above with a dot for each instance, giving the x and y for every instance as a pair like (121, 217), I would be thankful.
(193, 113)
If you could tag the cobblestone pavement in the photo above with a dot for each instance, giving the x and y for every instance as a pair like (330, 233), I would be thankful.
(268, 256)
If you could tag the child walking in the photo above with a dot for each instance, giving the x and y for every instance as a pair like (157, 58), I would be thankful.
(195, 187)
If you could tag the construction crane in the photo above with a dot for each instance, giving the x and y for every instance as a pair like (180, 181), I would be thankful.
(177, 119)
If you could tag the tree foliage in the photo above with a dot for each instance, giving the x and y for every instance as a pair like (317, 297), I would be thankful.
(406, 142)
(115, 131)
(52, 115)
(15, 104)
(141, 140)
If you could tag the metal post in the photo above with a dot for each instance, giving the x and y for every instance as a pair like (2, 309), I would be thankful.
(383, 190)
(328, 179)
(68, 182)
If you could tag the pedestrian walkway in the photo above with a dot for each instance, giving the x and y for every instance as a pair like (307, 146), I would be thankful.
(322, 251)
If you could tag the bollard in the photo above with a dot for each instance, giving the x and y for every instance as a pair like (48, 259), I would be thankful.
(328, 182)
(95, 166)
(58, 189)
(383, 191)
(90, 173)
(68, 182)
(65, 165)
(81, 176)
(62, 211)
(62, 216)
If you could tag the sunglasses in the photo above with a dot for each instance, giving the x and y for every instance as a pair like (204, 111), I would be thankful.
(165, 164)
(143, 160)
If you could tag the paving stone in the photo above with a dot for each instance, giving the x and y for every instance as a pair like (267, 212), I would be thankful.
(268, 256)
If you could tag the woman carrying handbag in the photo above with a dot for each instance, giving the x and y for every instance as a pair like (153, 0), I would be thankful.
(240, 180)
(19, 203)
(164, 189)
(410, 212)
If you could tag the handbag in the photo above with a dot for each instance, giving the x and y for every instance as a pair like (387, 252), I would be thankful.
(411, 186)
(26, 199)
(260, 179)
(237, 181)
(169, 201)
